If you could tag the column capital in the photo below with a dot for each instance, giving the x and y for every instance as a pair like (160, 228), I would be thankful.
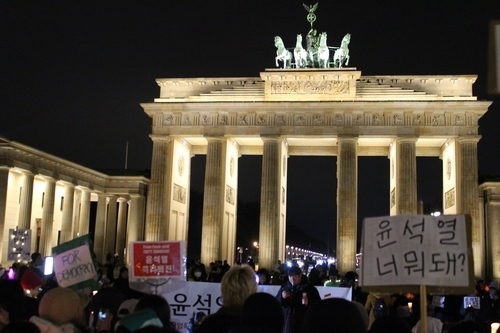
(345, 138)
(160, 138)
(406, 139)
(468, 138)
(215, 138)
(272, 138)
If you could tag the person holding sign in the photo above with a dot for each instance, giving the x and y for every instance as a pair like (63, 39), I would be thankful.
(295, 296)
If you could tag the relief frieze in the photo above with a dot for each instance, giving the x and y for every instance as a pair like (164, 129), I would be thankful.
(168, 120)
(280, 119)
(179, 194)
(318, 119)
(334, 87)
(223, 119)
(449, 198)
(230, 195)
(377, 119)
(300, 120)
(261, 119)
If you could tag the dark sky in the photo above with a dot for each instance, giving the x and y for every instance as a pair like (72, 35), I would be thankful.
(73, 73)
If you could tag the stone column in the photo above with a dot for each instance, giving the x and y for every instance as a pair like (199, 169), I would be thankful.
(156, 212)
(67, 214)
(100, 224)
(406, 176)
(135, 225)
(4, 183)
(347, 203)
(109, 241)
(83, 225)
(213, 193)
(493, 233)
(24, 220)
(121, 228)
(467, 174)
(46, 242)
(270, 194)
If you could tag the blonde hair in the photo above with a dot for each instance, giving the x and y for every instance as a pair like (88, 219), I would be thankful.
(237, 284)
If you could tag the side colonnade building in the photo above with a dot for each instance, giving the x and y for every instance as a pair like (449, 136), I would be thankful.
(53, 197)
(328, 112)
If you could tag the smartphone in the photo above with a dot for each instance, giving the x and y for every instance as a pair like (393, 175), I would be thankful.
(102, 314)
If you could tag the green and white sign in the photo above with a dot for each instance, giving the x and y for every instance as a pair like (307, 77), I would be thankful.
(74, 264)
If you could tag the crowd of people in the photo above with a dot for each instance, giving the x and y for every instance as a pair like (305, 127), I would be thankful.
(31, 302)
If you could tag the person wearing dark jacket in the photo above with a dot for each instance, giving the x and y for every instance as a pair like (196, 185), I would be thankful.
(295, 296)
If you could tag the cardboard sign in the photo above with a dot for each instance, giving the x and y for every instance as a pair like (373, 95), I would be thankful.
(187, 298)
(74, 265)
(19, 244)
(157, 260)
(414, 250)
(472, 302)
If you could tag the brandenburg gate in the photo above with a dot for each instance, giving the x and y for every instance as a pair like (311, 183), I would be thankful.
(307, 111)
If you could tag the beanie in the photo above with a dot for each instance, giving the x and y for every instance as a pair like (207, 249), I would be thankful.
(138, 320)
(31, 280)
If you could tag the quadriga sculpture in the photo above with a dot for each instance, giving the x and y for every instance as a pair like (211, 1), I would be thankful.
(299, 53)
(341, 55)
(282, 54)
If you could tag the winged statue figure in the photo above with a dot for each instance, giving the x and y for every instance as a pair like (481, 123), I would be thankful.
(311, 8)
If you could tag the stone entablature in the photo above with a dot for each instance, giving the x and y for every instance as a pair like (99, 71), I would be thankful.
(16, 155)
(456, 117)
(345, 84)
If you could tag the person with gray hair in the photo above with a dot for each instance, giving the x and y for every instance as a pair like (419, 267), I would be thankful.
(236, 285)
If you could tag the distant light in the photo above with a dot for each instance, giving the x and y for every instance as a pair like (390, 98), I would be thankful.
(436, 214)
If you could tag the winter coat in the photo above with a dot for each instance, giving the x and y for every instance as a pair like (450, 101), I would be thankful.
(293, 309)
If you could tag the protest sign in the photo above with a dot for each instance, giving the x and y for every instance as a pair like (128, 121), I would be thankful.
(152, 264)
(19, 244)
(472, 302)
(401, 253)
(187, 298)
(74, 265)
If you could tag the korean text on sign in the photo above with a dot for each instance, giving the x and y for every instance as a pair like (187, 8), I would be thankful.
(155, 259)
(414, 250)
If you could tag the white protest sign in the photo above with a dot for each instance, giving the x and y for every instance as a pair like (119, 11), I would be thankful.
(187, 298)
(416, 250)
(472, 302)
(73, 264)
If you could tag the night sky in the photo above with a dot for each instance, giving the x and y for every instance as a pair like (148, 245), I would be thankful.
(72, 76)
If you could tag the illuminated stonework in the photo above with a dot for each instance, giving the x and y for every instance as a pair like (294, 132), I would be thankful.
(294, 112)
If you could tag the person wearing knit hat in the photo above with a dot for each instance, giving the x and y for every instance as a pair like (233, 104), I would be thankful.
(138, 320)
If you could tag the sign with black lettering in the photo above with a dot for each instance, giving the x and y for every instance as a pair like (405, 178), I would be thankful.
(188, 298)
(414, 250)
(74, 266)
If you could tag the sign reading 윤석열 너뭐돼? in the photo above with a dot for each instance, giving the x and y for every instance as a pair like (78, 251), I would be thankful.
(413, 250)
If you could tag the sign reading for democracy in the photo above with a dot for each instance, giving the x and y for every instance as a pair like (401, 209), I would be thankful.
(74, 265)
(416, 250)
